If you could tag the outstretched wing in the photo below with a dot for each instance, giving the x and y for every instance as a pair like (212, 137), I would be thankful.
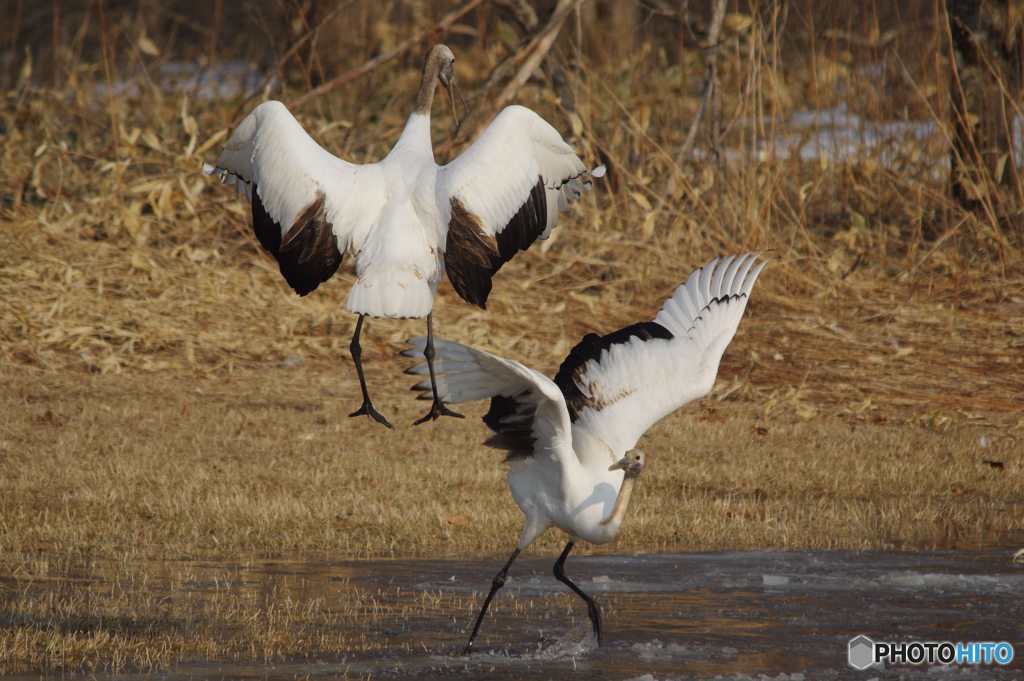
(619, 385)
(528, 413)
(502, 194)
(308, 206)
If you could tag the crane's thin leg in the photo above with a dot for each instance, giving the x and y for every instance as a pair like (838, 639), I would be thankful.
(593, 609)
(357, 352)
(499, 581)
(437, 409)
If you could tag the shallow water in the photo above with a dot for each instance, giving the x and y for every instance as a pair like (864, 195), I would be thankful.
(783, 616)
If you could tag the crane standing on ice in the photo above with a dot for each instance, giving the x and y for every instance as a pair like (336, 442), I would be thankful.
(571, 441)
(406, 219)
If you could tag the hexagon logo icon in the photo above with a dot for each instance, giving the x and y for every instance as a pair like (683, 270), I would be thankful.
(862, 652)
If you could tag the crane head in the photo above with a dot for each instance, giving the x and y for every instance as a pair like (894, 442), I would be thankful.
(632, 464)
(446, 74)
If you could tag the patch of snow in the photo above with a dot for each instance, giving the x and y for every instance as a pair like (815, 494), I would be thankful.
(775, 580)
(657, 650)
(223, 80)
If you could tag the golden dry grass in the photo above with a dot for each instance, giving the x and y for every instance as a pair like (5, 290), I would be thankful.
(172, 466)
(165, 395)
(123, 480)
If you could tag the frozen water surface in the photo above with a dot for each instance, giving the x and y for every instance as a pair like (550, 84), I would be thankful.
(783, 616)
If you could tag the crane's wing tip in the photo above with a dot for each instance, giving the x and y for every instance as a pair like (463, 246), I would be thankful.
(208, 169)
(417, 370)
(416, 346)
(599, 171)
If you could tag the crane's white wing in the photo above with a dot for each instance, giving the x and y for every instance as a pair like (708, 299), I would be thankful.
(619, 385)
(502, 194)
(308, 206)
(528, 413)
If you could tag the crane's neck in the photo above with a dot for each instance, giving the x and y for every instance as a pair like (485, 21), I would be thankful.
(621, 502)
(414, 146)
(428, 83)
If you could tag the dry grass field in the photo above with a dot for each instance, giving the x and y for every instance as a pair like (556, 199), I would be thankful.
(165, 396)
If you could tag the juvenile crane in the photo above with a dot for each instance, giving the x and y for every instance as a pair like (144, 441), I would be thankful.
(405, 219)
(570, 441)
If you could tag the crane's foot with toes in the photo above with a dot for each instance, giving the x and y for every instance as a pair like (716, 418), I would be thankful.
(437, 410)
(368, 410)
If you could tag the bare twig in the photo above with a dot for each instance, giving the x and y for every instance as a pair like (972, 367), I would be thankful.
(383, 58)
(536, 51)
(236, 117)
(522, 12)
(518, 68)
(115, 135)
(525, 18)
(710, 82)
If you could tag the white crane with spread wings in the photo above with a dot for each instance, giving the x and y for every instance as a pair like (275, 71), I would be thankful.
(406, 220)
(571, 440)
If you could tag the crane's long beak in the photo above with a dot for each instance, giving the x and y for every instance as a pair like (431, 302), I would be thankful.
(620, 464)
(451, 101)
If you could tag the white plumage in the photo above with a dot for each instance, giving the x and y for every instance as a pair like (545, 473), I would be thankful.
(563, 435)
(406, 220)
